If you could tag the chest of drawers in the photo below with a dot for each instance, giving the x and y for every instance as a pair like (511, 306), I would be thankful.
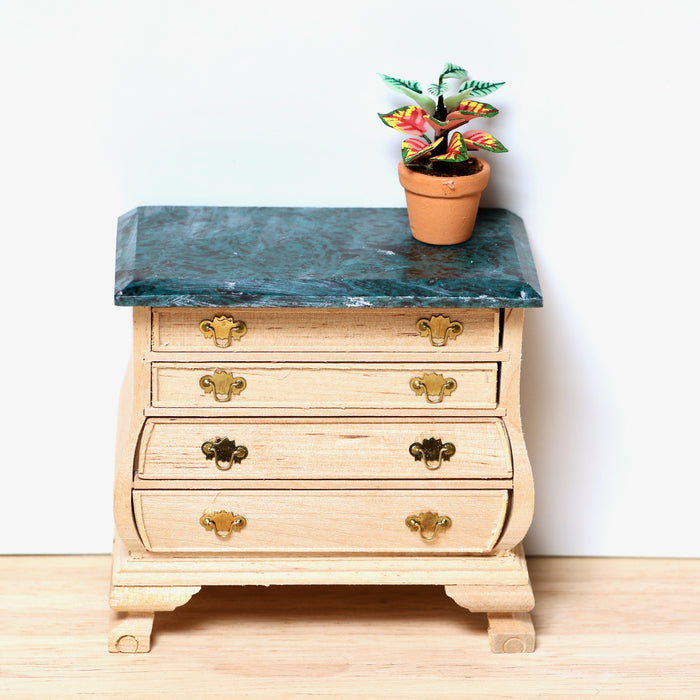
(342, 409)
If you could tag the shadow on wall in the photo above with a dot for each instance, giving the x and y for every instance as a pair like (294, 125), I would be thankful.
(571, 434)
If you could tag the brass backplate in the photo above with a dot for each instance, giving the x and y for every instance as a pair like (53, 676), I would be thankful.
(434, 386)
(224, 452)
(222, 384)
(439, 329)
(223, 523)
(428, 524)
(432, 450)
(223, 329)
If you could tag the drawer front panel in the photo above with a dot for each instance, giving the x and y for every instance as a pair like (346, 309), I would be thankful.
(444, 331)
(343, 449)
(257, 385)
(321, 521)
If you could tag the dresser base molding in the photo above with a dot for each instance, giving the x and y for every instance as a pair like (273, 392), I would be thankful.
(143, 584)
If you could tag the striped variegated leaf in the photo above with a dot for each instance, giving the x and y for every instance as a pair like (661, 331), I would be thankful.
(480, 139)
(454, 100)
(437, 89)
(452, 122)
(452, 71)
(479, 88)
(471, 109)
(411, 89)
(399, 84)
(467, 110)
(413, 150)
(456, 150)
(411, 120)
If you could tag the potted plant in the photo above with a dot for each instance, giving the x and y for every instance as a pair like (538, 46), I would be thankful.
(443, 182)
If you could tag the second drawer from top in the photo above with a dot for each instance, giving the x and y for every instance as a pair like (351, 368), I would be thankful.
(325, 386)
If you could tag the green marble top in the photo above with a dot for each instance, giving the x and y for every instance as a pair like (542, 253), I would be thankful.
(316, 257)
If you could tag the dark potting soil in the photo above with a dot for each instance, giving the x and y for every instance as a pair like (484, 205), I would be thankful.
(442, 169)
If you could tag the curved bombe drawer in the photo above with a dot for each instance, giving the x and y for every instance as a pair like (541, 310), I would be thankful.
(325, 386)
(371, 330)
(362, 521)
(277, 448)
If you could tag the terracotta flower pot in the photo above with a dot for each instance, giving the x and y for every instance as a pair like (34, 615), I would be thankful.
(442, 210)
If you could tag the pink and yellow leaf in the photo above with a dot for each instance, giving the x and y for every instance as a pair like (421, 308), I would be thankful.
(410, 120)
(456, 150)
(473, 109)
(480, 139)
(465, 112)
(452, 122)
(413, 150)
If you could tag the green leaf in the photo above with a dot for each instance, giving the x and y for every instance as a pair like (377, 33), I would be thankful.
(400, 85)
(437, 89)
(452, 71)
(410, 89)
(452, 102)
(479, 88)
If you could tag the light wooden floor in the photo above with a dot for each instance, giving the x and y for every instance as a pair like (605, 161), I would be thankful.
(610, 627)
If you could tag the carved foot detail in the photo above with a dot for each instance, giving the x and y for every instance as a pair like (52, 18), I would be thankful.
(134, 606)
(130, 633)
(493, 598)
(511, 633)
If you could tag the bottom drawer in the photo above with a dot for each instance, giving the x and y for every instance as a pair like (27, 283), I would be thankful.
(441, 521)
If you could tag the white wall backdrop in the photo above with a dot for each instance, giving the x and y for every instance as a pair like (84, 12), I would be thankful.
(110, 105)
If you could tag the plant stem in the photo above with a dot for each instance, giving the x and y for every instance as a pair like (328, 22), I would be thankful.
(441, 110)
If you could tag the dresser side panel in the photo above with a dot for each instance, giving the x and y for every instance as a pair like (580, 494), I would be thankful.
(134, 398)
(522, 504)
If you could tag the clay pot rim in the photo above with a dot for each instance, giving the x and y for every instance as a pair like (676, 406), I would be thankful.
(434, 185)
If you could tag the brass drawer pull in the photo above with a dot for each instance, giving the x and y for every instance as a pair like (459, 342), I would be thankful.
(223, 329)
(433, 385)
(432, 449)
(428, 524)
(439, 329)
(222, 384)
(225, 450)
(223, 522)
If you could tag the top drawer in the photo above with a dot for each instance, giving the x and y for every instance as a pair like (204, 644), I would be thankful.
(241, 331)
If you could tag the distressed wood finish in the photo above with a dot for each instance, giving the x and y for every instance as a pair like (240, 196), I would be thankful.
(319, 387)
(367, 330)
(321, 521)
(328, 449)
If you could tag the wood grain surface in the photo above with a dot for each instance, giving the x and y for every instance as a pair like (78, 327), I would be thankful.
(615, 628)
(324, 386)
(171, 448)
(321, 520)
(353, 330)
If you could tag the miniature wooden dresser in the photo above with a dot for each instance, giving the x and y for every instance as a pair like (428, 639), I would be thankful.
(317, 398)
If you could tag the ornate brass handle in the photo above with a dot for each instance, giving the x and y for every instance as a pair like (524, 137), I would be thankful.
(223, 329)
(433, 385)
(432, 449)
(222, 384)
(225, 450)
(439, 329)
(223, 522)
(428, 524)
